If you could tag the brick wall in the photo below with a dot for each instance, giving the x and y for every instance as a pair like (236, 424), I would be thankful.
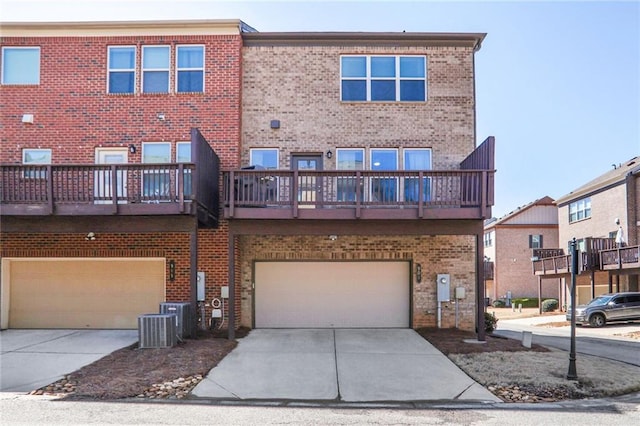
(514, 269)
(454, 255)
(300, 86)
(73, 114)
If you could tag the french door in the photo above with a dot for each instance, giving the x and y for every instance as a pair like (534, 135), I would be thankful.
(105, 182)
(309, 186)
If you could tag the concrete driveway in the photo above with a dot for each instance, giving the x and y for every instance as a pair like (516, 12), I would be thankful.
(30, 359)
(351, 365)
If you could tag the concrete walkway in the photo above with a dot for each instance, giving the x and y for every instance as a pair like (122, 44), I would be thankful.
(30, 359)
(350, 365)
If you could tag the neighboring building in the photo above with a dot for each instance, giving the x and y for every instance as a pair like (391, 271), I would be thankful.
(593, 214)
(84, 107)
(509, 244)
(366, 181)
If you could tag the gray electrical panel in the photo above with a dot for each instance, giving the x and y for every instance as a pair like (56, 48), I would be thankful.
(444, 287)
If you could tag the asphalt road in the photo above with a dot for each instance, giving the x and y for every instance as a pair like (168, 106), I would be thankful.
(606, 342)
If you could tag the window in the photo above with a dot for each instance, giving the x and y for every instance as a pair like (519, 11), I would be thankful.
(20, 65)
(183, 155)
(384, 188)
(265, 157)
(349, 159)
(383, 78)
(156, 181)
(488, 239)
(417, 159)
(34, 157)
(121, 63)
(535, 241)
(155, 69)
(579, 210)
(190, 69)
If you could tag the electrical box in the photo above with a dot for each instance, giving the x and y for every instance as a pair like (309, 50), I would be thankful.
(459, 292)
(444, 287)
(200, 287)
(216, 313)
(224, 291)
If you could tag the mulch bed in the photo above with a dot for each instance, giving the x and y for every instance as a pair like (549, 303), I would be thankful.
(452, 341)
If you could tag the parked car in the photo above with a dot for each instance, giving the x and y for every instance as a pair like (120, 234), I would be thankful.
(608, 307)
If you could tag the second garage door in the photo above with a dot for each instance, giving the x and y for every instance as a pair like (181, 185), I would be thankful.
(332, 294)
(81, 293)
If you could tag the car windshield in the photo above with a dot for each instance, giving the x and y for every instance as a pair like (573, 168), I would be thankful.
(600, 300)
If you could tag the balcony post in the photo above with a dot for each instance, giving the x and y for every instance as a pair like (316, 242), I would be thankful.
(294, 193)
(114, 189)
(420, 191)
(483, 189)
(232, 192)
(357, 189)
(181, 187)
(50, 188)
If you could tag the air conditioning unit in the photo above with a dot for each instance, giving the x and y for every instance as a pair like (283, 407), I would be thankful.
(182, 311)
(157, 331)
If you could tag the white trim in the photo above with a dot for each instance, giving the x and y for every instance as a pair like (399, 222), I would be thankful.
(203, 68)
(252, 150)
(167, 69)
(134, 69)
(4, 49)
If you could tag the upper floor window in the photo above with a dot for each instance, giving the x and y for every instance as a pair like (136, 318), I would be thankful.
(580, 209)
(121, 63)
(190, 69)
(35, 157)
(488, 239)
(265, 157)
(155, 69)
(383, 78)
(20, 65)
(535, 241)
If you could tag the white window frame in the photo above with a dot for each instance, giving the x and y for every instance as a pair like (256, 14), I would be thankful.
(4, 65)
(372, 179)
(203, 68)
(167, 69)
(164, 194)
(488, 239)
(187, 172)
(33, 174)
(397, 78)
(581, 209)
(252, 162)
(406, 181)
(134, 69)
(535, 241)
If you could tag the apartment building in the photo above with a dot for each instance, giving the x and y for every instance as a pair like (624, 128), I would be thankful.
(326, 179)
(509, 245)
(602, 216)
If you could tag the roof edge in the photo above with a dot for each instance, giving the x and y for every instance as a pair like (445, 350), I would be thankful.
(473, 40)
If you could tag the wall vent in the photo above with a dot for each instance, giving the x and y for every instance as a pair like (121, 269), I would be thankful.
(182, 311)
(157, 331)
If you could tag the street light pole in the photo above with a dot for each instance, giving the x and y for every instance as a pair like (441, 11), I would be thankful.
(572, 374)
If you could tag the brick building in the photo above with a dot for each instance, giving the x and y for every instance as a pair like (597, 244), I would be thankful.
(365, 186)
(593, 214)
(509, 244)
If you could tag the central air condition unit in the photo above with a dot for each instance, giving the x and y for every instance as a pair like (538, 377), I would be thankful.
(157, 331)
(182, 311)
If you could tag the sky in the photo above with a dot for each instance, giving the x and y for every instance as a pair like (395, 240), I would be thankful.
(557, 83)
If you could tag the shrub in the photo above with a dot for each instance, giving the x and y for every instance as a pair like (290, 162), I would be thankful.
(490, 322)
(498, 303)
(549, 305)
(526, 302)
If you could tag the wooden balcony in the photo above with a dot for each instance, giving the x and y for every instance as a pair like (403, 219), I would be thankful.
(555, 262)
(115, 189)
(355, 194)
(465, 193)
(620, 258)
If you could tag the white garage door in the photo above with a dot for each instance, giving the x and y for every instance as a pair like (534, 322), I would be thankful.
(80, 293)
(332, 294)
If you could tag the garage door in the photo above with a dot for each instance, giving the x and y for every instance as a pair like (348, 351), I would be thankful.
(332, 294)
(80, 293)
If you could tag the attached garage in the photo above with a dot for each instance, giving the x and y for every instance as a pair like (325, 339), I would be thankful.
(332, 294)
(97, 293)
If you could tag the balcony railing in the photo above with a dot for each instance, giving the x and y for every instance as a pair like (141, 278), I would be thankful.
(489, 268)
(355, 194)
(620, 258)
(554, 261)
(115, 189)
(96, 189)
